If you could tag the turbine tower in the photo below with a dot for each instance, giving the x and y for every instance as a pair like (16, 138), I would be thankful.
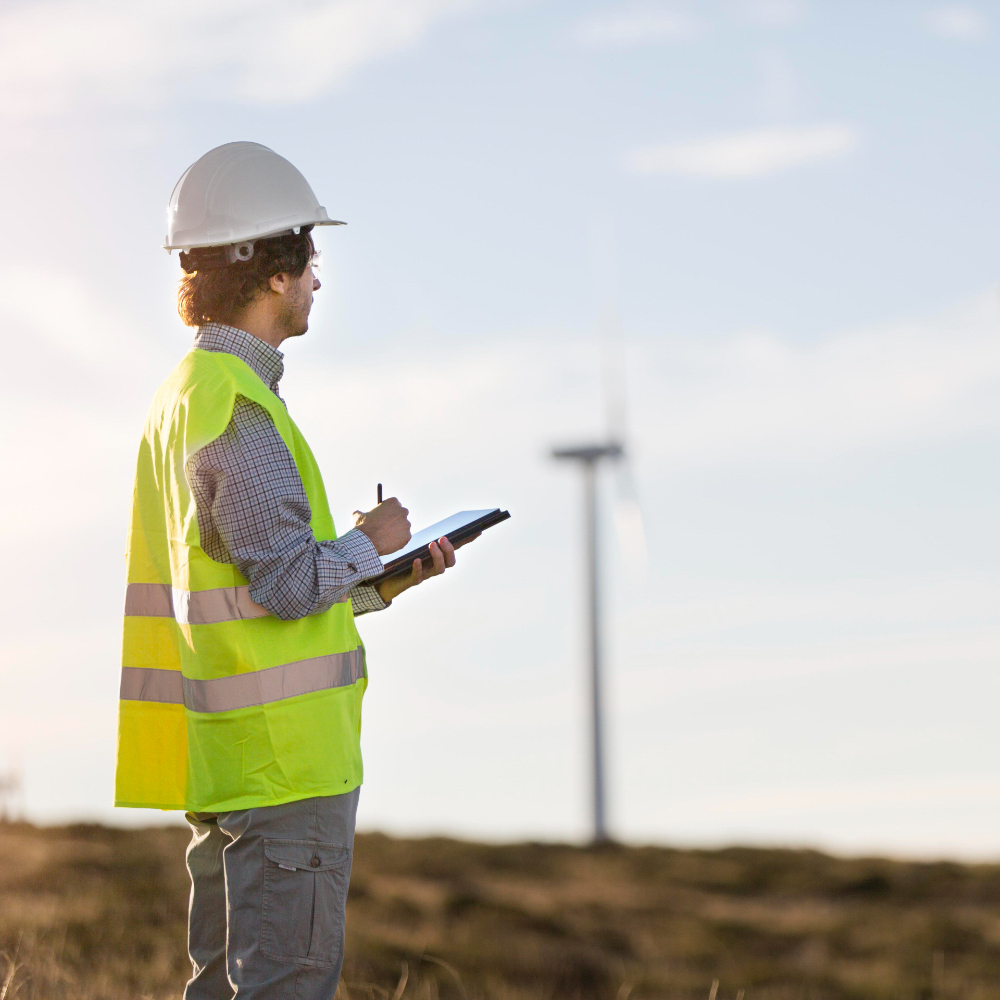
(589, 456)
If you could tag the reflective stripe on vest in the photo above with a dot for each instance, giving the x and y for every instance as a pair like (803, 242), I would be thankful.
(199, 607)
(259, 687)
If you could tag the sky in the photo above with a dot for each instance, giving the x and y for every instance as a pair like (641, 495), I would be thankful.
(772, 228)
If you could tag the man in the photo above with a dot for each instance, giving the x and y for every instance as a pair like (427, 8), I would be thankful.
(243, 672)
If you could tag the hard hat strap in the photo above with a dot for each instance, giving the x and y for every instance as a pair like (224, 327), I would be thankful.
(207, 258)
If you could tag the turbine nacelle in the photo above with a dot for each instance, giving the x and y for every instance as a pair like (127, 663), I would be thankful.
(591, 453)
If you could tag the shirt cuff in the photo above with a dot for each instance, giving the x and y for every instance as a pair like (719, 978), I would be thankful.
(360, 552)
(365, 599)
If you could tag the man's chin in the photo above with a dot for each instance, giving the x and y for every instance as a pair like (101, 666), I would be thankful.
(294, 325)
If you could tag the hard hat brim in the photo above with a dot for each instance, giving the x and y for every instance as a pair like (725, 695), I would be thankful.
(253, 236)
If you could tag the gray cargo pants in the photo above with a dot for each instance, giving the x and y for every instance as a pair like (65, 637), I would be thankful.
(268, 892)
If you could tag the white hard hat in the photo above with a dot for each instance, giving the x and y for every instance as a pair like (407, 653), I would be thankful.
(236, 194)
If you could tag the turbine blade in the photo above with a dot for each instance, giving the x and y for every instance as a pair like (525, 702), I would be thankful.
(629, 520)
(632, 535)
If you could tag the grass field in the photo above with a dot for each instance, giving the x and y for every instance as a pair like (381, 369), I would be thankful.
(93, 912)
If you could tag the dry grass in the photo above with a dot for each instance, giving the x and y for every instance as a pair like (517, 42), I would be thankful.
(92, 912)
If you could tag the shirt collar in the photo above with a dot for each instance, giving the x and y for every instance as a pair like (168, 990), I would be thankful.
(265, 361)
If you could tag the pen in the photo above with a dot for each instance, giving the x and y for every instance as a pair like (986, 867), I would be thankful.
(379, 492)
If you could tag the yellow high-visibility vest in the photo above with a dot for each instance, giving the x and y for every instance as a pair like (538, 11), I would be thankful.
(224, 706)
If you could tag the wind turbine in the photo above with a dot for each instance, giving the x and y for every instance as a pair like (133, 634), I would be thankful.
(589, 456)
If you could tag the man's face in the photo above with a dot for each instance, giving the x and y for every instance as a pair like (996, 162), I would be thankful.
(296, 303)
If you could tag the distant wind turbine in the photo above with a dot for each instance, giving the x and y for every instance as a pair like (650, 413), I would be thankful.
(589, 456)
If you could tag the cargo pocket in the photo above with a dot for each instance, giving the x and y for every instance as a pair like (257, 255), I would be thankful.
(305, 893)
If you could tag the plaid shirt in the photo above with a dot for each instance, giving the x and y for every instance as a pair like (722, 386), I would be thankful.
(253, 510)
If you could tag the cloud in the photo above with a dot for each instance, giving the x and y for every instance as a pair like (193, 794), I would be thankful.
(83, 372)
(353, 33)
(55, 54)
(75, 324)
(744, 154)
(638, 26)
(759, 396)
(957, 21)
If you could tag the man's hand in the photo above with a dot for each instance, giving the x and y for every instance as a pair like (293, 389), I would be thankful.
(386, 525)
(442, 558)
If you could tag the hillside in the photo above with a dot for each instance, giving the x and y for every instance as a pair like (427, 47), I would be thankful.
(94, 912)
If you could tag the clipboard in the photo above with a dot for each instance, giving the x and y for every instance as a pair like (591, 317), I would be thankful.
(456, 528)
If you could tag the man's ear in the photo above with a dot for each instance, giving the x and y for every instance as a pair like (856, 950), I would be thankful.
(280, 282)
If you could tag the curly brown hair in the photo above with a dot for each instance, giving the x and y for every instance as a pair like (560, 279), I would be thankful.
(220, 294)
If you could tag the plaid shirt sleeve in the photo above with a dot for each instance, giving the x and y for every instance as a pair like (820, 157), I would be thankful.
(253, 512)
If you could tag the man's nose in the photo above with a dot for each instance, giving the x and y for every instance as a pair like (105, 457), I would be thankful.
(316, 285)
